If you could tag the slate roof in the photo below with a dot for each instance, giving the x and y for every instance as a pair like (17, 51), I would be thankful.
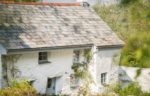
(38, 26)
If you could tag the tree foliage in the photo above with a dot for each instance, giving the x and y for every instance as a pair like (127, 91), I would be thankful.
(132, 89)
(136, 52)
(131, 21)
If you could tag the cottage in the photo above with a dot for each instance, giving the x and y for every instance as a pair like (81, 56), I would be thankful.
(40, 43)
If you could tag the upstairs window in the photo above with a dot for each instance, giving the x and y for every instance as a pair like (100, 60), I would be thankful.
(103, 78)
(76, 57)
(43, 57)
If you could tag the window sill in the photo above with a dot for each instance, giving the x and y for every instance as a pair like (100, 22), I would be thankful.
(44, 62)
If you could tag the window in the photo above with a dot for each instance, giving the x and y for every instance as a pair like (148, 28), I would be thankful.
(43, 57)
(51, 83)
(76, 57)
(103, 78)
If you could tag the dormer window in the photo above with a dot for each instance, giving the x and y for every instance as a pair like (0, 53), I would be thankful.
(43, 57)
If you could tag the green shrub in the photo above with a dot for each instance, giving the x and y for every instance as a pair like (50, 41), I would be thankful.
(132, 89)
(18, 89)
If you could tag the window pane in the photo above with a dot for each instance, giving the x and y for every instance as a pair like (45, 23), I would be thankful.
(43, 56)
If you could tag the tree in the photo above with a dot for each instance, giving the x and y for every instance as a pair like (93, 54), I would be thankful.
(131, 21)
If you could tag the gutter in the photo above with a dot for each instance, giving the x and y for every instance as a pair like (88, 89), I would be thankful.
(111, 46)
(42, 49)
(24, 50)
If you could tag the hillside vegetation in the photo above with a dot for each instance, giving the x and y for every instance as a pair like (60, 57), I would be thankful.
(131, 21)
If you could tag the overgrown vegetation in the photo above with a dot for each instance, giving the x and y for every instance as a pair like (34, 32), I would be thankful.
(18, 89)
(132, 89)
(9, 68)
(131, 21)
(81, 71)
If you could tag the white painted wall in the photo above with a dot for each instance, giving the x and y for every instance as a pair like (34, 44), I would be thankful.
(61, 61)
(106, 63)
(91, 2)
(93, 68)
(143, 79)
(0, 72)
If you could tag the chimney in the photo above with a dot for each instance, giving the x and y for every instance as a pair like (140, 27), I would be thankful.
(85, 4)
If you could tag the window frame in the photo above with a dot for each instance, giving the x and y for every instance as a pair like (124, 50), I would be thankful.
(49, 82)
(43, 57)
(103, 78)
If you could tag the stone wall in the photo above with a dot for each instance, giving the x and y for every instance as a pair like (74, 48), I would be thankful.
(128, 74)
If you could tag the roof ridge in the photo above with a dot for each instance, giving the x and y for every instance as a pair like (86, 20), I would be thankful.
(41, 3)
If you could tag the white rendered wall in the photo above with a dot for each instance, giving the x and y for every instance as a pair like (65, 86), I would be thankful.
(61, 62)
(143, 79)
(0, 72)
(91, 2)
(105, 63)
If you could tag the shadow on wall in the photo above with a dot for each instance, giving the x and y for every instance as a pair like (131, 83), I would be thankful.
(19, 28)
(124, 79)
(12, 28)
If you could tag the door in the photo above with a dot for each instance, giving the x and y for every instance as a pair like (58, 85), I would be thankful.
(51, 82)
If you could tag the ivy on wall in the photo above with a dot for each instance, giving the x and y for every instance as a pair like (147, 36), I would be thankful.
(81, 71)
(9, 68)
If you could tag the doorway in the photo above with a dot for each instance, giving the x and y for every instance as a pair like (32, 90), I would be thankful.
(51, 86)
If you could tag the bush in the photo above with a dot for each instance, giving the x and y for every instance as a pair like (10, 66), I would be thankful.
(132, 89)
(18, 89)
